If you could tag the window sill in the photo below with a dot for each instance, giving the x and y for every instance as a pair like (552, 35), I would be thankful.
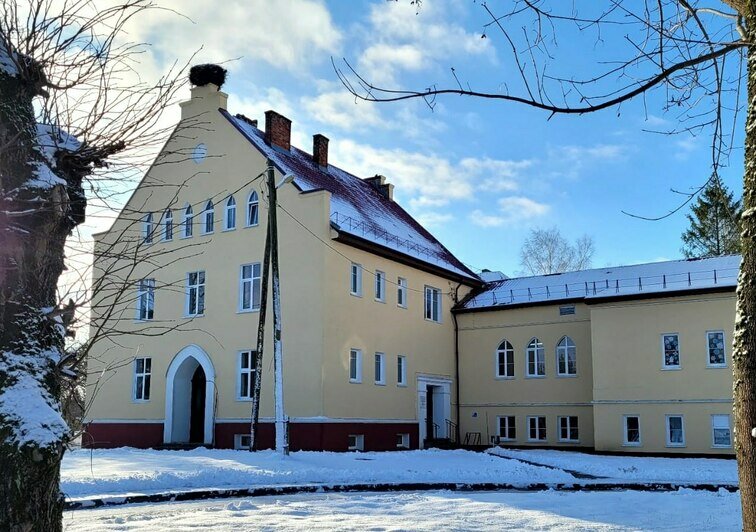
(400, 385)
(228, 229)
(377, 300)
(433, 321)
(140, 401)
(253, 225)
(206, 234)
(559, 376)
(507, 439)
(354, 382)
(536, 441)
(401, 306)
(721, 446)
(380, 383)
(716, 366)
(632, 444)
(192, 316)
(243, 399)
(137, 320)
(248, 311)
(569, 441)
(672, 368)
(535, 376)
(166, 240)
(675, 446)
(504, 378)
(355, 294)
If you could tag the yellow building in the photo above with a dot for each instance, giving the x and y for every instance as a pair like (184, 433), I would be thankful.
(389, 340)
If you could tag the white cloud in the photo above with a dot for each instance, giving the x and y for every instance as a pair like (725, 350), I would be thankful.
(512, 210)
(568, 161)
(482, 219)
(433, 219)
(686, 146)
(341, 109)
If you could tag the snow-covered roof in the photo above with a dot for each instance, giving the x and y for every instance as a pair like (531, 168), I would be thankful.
(602, 283)
(357, 207)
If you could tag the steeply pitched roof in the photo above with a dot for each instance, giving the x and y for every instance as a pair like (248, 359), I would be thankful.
(598, 284)
(357, 207)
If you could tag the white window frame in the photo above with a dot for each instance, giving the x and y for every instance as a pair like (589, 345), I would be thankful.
(564, 351)
(714, 428)
(239, 442)
(379, 366)
(355, 279)
(359, 442)
(168, 225)
(199, 285)
(667, 438)
(250, 282)
(145, 300)
(229, 217)
(670, 367)
(534, 419)
(569, 438)
(208, 215)
(625, 441)
(146, 376)
(539, 361)
(245, 374)
(187, 224)
(401, 292)
(724, 348)
(252, 201)
(380, 286)
(401, 370)
(509, 356)
(403, 440)
(432, 303)
(356, 355)
(148, 229)
(512, 426)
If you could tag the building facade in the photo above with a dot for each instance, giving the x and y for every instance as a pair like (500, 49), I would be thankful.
(390, 342)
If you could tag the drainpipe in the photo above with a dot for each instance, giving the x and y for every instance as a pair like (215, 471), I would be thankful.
(456, 362)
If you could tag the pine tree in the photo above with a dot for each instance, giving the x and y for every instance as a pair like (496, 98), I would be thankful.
(714, 223)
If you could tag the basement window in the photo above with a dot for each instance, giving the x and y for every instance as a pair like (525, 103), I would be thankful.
(242, 442)
(356, 442)
(403, 441)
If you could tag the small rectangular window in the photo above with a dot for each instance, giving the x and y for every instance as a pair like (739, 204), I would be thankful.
(380, 368)
(249, 287)
(715, 347)
(356, 442)
(675, 431)
(536, 428)
(195, 293)
(401, 292)
(147, 228)
(671, 351)
(356, 280)
(146, 299)
(507, 429)
(432, 304)
(568, 428)
(401, 370)
(380, 286)
(355, 365)
(632, 434)
(142, 378)
(566, 310)
(721, 435)
(246, 374)
(403, 441)
(242, 442)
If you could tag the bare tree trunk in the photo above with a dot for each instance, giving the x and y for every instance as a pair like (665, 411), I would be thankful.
(744, 349)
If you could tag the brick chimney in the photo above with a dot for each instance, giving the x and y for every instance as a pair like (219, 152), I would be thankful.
(277, 130)
(379, 183)
(320, 150)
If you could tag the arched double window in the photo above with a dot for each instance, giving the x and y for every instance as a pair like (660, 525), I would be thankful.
(208, 218)
(230, 218)
(566, 357)
(168, 225)
(505, 365)
(252, 209)
(147, 228)
(536, 362)
(188, 221)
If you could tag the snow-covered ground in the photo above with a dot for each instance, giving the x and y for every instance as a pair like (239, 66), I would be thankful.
(633, 468)
(125, 471)
(434, 510)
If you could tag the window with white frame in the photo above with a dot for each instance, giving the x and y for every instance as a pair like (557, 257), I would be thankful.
(195, 293)
(507, 429)
(670, 351)
(566, 357)
(142, 378)
(675, 430)
(536, 428)
(380, 286)
(356, 442)
(721, 435)
(715, 347)
(147, 228)
(536, 363)
(208, 218)
(249, 287)
(505, 366)
(632, 431)
(253, 208)
(401, 370)
(242, 442)
(355, 365)
(355, 280)
(380, 368)
(229, 221)
(568, 428)
(401, 292)
(432, 304)
(246, 374)
(146, 299)
(188, 222)
(403, 441)
(168, 225)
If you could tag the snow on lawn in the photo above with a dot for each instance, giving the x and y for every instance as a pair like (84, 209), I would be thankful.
(432, 511)
(633, 468)
(125, 471)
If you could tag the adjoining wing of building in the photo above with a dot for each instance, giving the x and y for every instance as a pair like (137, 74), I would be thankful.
(390, 341)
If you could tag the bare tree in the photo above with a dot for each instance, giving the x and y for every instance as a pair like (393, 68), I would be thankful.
(693, 55)
(546, 251)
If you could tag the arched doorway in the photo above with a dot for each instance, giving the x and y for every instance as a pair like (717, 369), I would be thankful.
(190, 398)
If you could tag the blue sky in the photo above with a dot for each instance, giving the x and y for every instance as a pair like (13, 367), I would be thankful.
(479, 173)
